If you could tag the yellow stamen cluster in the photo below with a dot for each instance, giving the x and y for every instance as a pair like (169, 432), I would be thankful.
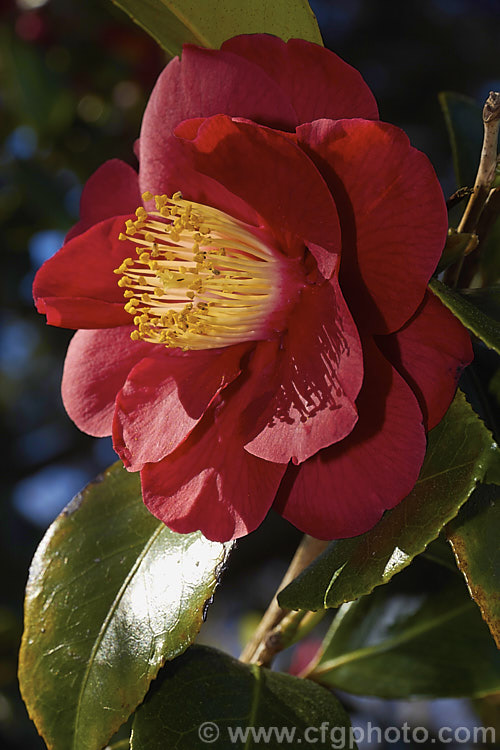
(201, 279)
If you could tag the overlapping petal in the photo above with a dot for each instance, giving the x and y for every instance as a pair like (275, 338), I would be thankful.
(96, 367)
(359, 357)
(77, 288)
(317, 376)
(210, 482)
(392, 213)
(343, 490)
(164, 397)
(430, 352)
(193, 89)
(269, 172)
(335, 89)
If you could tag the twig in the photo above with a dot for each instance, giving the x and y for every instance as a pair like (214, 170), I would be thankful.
(484, 178)
(278, 626)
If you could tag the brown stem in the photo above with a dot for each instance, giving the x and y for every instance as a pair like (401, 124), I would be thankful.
(277, 627)
(487, 165)
(484, 178)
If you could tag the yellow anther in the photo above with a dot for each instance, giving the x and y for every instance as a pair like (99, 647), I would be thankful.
(135, 336)
(160, 201)
(122, 237)
(201, 277)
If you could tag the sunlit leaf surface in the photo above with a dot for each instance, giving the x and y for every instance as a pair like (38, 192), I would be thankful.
(208, 23)
(112, 594)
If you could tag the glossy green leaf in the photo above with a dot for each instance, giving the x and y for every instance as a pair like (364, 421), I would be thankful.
(466, 307)
(464, 121)
(459, 452)
(399, 642)
(208, 23)
(205, 697)
(112, 594)
(474, 535)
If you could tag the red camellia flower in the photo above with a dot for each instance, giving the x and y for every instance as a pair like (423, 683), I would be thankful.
(261, 310)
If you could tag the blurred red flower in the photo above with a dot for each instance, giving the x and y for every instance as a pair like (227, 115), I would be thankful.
(275, 309)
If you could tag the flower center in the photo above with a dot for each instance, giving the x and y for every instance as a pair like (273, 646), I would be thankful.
(202, 279)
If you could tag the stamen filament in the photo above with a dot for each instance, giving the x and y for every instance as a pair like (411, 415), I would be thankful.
(202, 279)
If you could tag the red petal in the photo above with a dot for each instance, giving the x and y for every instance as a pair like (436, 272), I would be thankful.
(210, 482)
(165, 396)
(317, 377)
(77, 288)
(113, 190)
(430, 352)
(317, 82)
(270, 173)
(343, 490)
(204, 83)
(392, 213)
(96, 366)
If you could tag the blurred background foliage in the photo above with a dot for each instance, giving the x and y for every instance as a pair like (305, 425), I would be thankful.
(74, 79)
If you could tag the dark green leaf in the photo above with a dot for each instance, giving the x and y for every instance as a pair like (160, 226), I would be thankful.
(465, 306)
(112, 594)
(208, 23)
(459, 453)
(398, 643)
(464, 120)
(486, 300)
(206, 694)
(474, 536)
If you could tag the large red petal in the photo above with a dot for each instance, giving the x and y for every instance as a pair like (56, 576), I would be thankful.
(318, 375)
(269, 172)
(77, 288)
(316, 81)
(210, 482)
(343, 490)
(165, 396)
(96, 366)
(113, 190)
(204, 83)
(430, 352)
(392, 214)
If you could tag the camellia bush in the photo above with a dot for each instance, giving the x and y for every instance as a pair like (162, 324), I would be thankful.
(273, 311)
